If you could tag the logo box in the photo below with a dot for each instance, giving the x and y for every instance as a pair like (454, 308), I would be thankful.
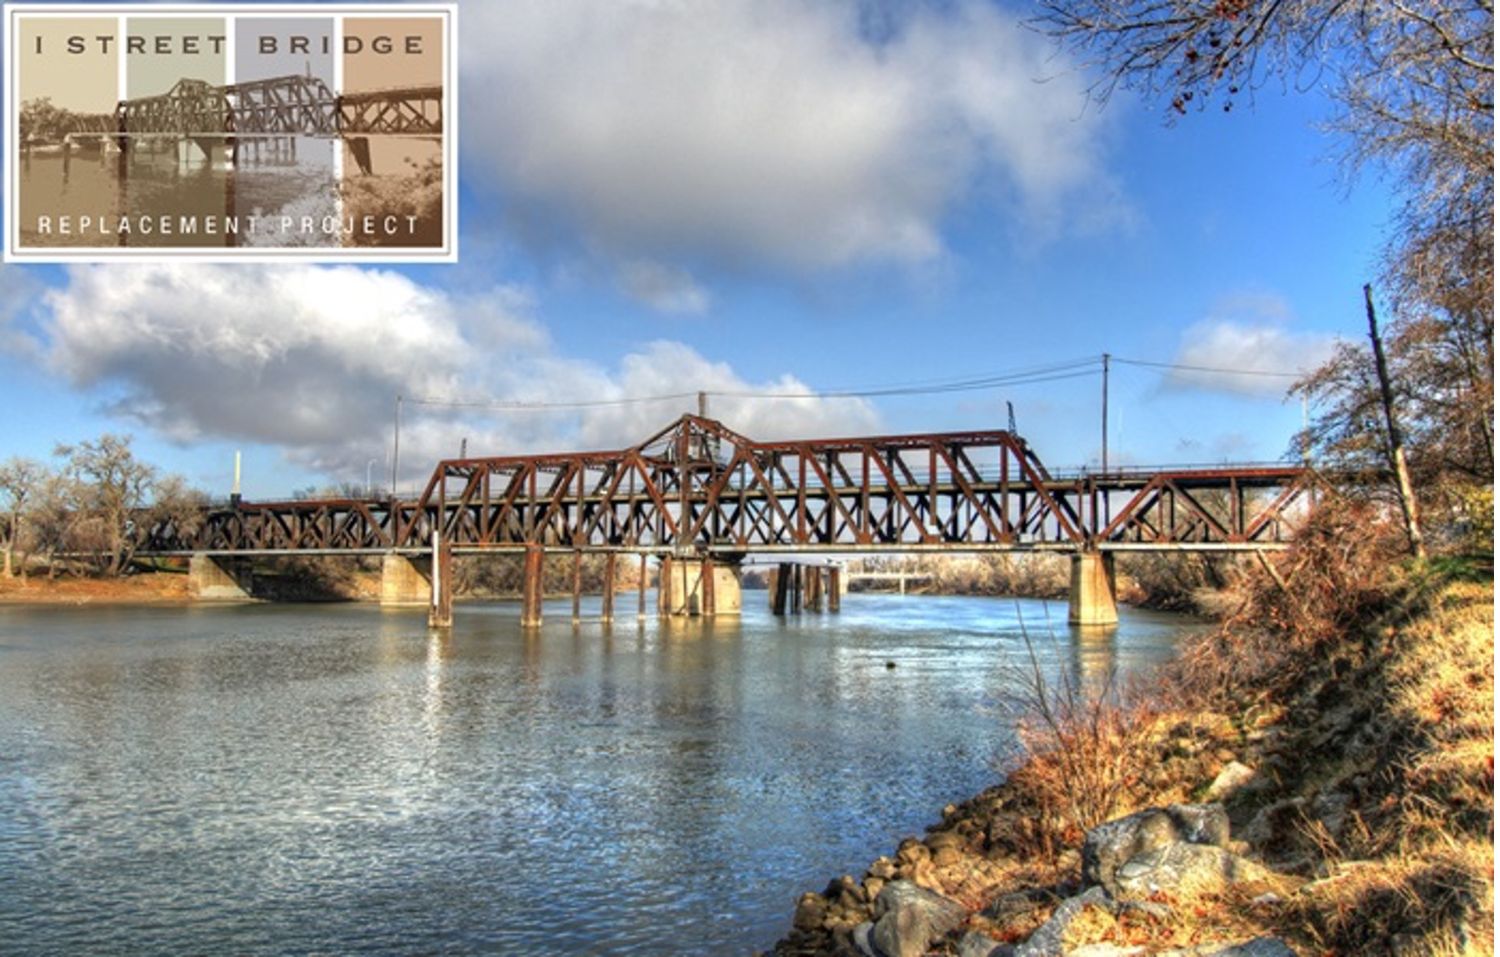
(231, 132)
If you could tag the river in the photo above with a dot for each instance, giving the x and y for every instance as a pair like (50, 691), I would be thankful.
(298, 779)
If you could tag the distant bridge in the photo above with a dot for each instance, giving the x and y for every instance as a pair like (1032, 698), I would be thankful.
(698, 492)
(899, 577)
(280, 107)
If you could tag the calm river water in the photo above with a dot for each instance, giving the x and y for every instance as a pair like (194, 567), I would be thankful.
(304, 779)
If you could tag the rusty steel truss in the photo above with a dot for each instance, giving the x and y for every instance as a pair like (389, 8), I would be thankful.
(698, 487)
(281, 106)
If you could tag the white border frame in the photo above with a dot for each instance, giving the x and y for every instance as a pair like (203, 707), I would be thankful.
(448, 253)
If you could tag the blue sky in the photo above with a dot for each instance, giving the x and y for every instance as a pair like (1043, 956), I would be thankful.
(747, 197)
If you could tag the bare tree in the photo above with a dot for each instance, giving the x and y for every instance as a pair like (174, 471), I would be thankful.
(1413, 86)
(110, 484)
(19, 481)
(53, 519)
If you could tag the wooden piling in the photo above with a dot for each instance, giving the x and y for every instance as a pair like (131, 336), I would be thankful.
(663, 585)
(531, 587)
(781, 588)
(640, 608)
(814, 576)
(706, 587)
(835, 585)
(577, 586)
(607, 599)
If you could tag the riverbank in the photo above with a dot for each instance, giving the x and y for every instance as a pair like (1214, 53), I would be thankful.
(1315, 777)
(149, 589)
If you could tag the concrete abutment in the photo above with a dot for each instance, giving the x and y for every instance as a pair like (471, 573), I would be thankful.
(220, 578)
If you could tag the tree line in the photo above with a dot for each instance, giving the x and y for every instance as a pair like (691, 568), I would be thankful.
(80, 511)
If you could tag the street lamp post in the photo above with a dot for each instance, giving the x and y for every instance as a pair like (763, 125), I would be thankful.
(396, 448)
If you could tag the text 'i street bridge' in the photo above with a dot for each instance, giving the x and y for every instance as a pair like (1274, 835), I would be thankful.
(283, 107)
(701, 498)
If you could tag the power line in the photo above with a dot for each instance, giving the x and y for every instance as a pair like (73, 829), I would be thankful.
(1183, 367)
(1033, 375)
(1036, 374)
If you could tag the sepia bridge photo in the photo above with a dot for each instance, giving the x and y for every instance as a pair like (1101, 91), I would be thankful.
(278, 109)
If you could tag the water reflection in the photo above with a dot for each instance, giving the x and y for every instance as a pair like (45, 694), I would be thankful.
(282, 779)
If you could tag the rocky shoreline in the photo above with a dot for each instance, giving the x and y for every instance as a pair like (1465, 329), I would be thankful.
(974, 885)
(1269, 824)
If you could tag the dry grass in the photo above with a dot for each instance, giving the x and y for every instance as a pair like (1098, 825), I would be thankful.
(1366, 685)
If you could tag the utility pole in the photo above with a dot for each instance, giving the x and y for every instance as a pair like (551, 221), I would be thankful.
(702, 405)
(396, 448)
(1393, 435)
(1104, 420)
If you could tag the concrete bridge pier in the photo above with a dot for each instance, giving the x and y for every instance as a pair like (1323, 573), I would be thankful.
(1091, 589)
(219, 578)
(699, 586)
(405, 581)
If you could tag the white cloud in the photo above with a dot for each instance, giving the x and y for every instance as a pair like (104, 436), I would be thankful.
(766, 133)
(310, 359)
(664, 368)
(297, 352)
(1245, 347)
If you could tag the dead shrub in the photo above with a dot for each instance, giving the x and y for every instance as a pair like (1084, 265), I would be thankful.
(1085, 745)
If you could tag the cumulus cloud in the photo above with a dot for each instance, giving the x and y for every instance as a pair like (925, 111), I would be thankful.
(756, 133)
(310, 359)
(1246, 347)
(298, 352)
(664, 368)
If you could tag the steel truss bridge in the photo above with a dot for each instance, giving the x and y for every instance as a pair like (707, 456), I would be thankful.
(699, 488)
(284, 106)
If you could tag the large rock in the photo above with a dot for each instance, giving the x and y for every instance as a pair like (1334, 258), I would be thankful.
(909, 918)
(1049, 940)
(811, 909)
(1182, 869)
(1112, 844)
(1230, 780)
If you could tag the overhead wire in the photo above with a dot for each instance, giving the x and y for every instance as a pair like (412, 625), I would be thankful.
(1221, 370)
(1052, 372)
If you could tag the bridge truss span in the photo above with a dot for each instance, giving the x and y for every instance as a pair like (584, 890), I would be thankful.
(698, 487)
(279, 106)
